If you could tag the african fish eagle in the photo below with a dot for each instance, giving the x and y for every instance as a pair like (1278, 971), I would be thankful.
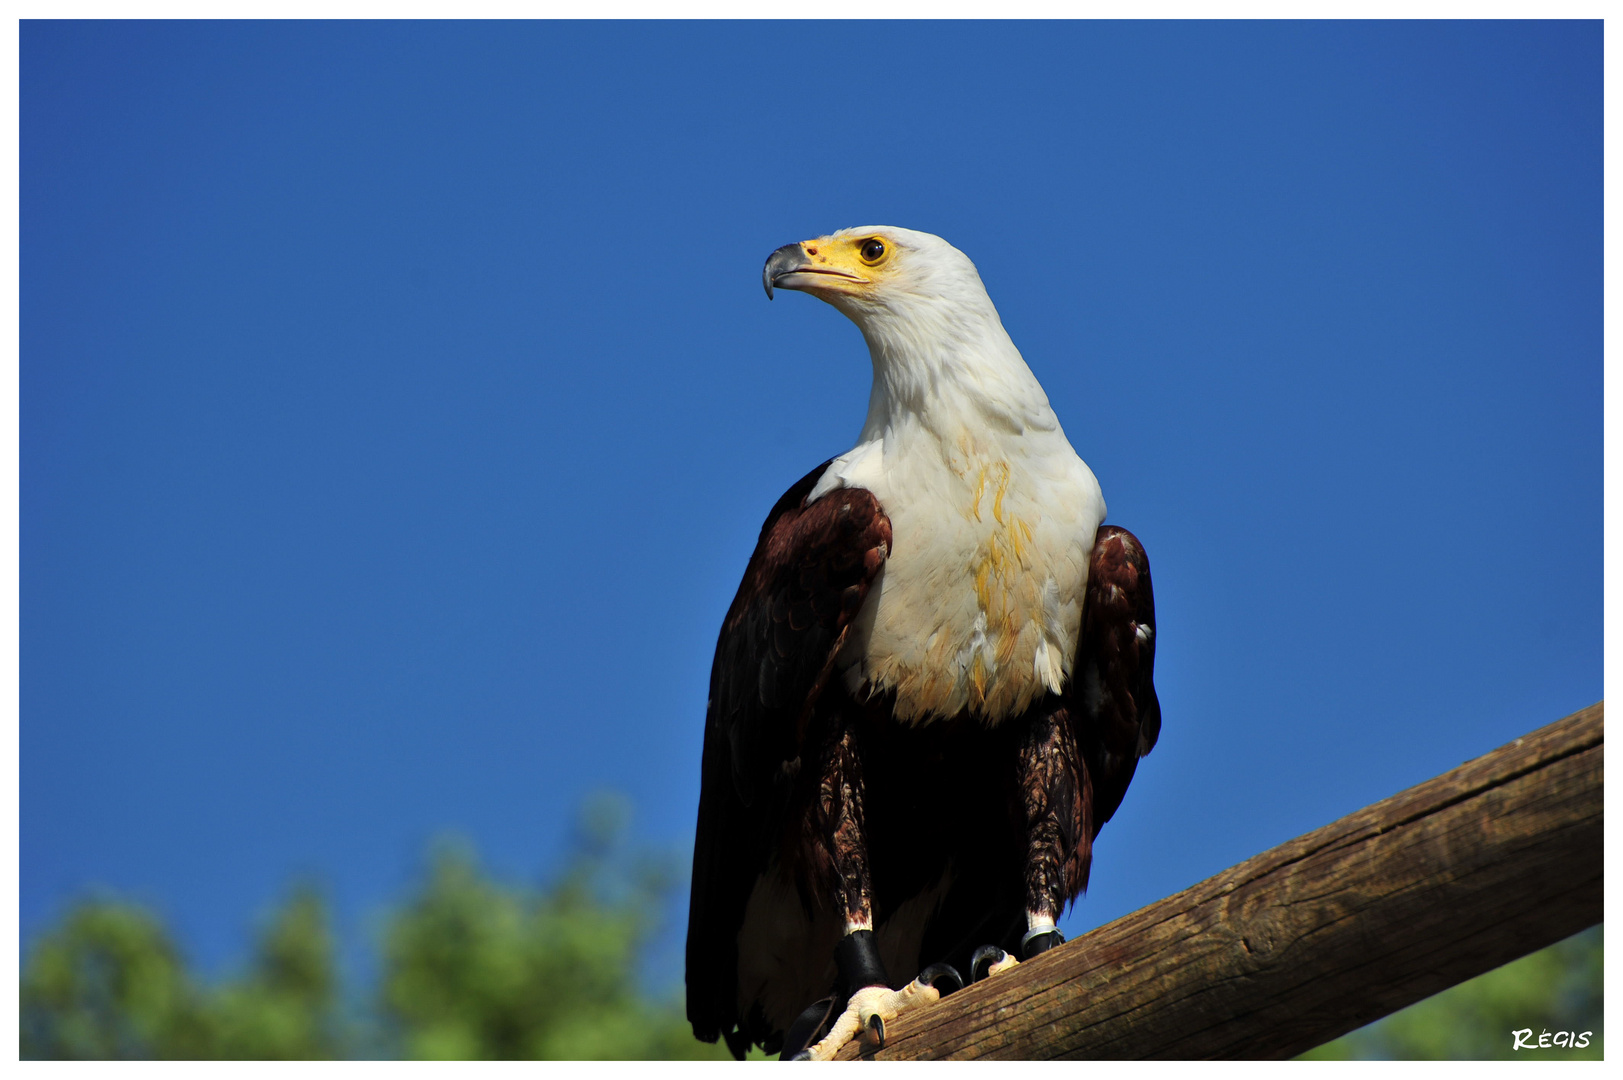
(931, 690)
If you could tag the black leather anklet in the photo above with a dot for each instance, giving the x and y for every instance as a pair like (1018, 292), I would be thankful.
(857, 958)
(1039, 941)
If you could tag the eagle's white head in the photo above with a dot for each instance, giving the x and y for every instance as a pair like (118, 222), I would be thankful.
(935, 337)
(879, 271)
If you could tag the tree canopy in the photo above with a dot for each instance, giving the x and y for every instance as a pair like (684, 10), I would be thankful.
(471, 968)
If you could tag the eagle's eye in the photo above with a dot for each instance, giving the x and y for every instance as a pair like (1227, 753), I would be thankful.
(873, 250)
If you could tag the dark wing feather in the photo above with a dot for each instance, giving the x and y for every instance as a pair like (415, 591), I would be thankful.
(811, 571)
(1119, 715)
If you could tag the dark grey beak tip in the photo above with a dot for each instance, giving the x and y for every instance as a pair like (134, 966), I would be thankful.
(785, 260)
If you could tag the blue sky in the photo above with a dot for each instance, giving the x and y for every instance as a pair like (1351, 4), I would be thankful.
(399, 404)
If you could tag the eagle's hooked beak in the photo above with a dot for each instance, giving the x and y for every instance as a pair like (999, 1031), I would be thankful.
(791, 267)
(781, 263)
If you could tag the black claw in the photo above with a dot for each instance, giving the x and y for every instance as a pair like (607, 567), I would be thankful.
(944, 977)
(980, 964)
(809, 1028)
(876, 1031)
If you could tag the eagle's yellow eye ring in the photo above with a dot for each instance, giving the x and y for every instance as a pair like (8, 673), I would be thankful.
(873, 250)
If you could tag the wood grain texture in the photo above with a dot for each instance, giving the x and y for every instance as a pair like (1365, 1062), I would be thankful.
(1323, 934)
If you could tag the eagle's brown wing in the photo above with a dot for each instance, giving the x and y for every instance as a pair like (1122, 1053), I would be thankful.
(1117, 713)
(810, 573)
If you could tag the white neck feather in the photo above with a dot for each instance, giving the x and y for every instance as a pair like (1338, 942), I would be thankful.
(939, 364)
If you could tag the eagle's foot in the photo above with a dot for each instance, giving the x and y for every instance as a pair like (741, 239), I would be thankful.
(872, 1007)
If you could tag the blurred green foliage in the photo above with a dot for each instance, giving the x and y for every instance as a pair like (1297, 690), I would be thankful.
(1553, 990)
(110, 983)
(472, 968)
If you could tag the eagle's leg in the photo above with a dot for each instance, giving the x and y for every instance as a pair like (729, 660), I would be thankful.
(1056, 800)
(841, 845)
(1057, 797)
(841, 834)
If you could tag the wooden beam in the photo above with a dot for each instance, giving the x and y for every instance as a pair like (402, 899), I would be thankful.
(1321, 935)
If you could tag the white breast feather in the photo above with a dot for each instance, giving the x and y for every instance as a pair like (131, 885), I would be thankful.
(992, 512)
